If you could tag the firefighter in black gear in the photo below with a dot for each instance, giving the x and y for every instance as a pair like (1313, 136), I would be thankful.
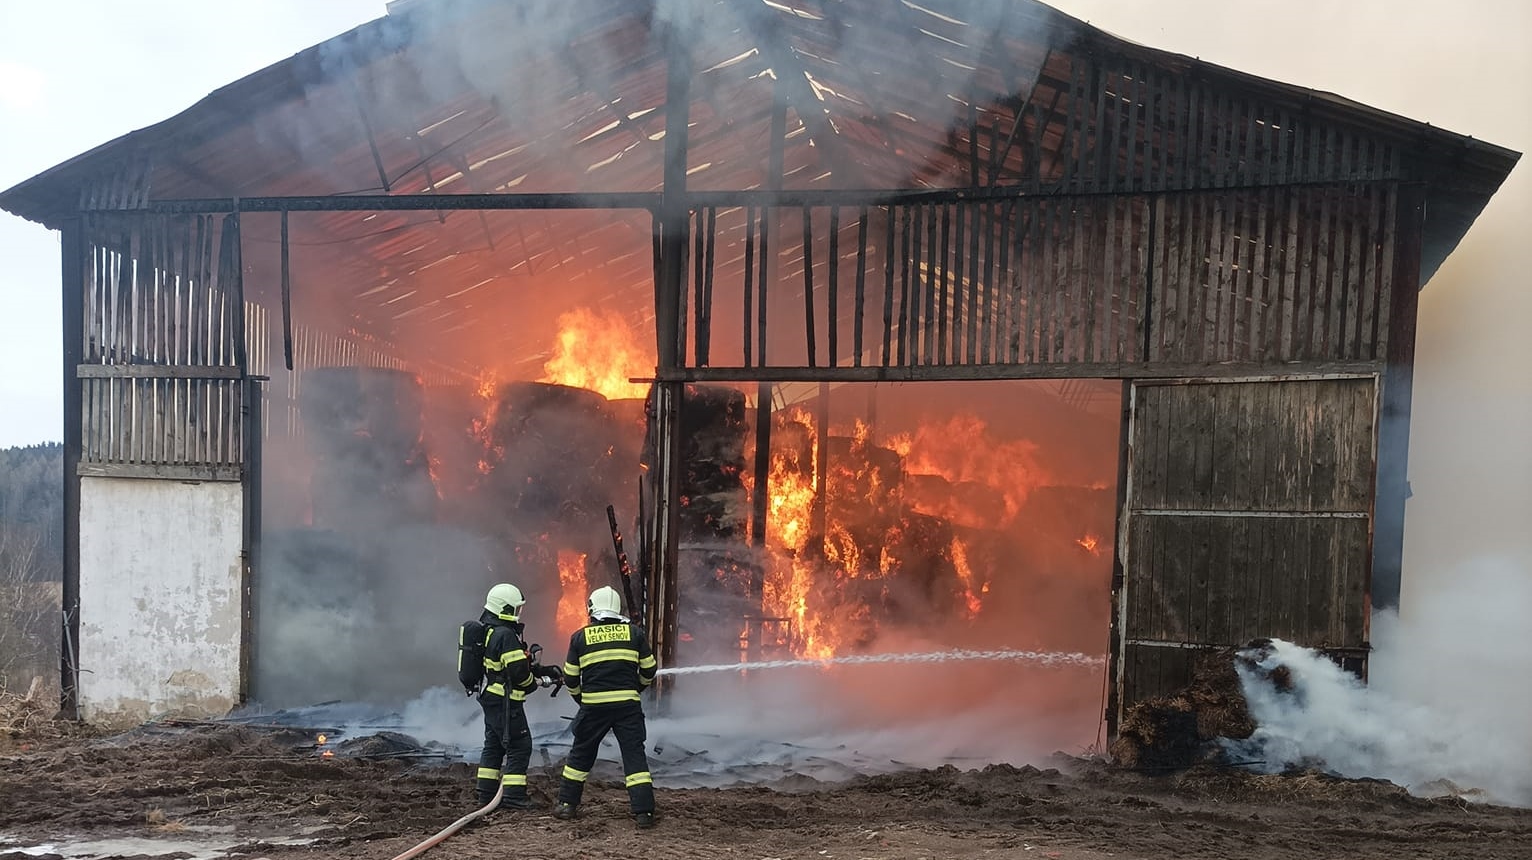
(609, 664)
(508, 676)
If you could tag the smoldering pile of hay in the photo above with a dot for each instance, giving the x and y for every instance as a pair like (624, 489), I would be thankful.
(1177, 731)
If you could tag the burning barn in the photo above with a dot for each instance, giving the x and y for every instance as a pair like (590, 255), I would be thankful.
(963, 320)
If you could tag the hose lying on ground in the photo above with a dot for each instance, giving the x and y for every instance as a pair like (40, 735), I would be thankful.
(453, 827)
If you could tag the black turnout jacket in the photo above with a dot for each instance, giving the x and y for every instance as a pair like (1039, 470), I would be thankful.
(609, 662)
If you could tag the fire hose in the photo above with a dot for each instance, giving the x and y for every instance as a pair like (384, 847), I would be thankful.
(446, 832)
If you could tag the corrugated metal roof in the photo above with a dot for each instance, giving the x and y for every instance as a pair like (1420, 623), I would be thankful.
(455, 96)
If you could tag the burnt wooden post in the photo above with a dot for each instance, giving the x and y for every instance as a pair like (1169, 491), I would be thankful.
(1393, 486)
(73, 245)
(673, 222)
(820, 515)
(761, 498)
(1119, 571)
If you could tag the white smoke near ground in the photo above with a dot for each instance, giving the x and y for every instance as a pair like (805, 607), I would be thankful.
(1446, 709)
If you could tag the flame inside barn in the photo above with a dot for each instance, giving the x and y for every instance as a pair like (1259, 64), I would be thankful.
(881, 326)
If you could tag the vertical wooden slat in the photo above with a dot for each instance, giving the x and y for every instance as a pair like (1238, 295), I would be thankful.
(1292, 273)
(705, 324)
(954, 277)
(1332, 230)
(941, 275)
(764, 257)
(930, 285)
(696, 221)
(971, 304)
(1042, 285)
(861, 285)
(1367, 285)
(890, 256)
(749, 284)
(1258, 279)
(1084, 292)
(904, 283)
(1007, 279)
(832, 287)
(1187, 282)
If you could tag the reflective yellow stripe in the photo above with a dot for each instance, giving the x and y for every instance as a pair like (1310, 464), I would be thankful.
(608, 696)
(488, 773)
(647, 662)
(576, 775)
(571, 669)
(639, 778)
(627, 655)
(498, 689)
(513, 779)
(573, 691)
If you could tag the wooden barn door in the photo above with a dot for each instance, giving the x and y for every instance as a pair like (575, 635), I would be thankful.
(1247, 514)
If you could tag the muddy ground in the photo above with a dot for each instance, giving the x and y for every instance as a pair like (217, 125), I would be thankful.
(247, 789)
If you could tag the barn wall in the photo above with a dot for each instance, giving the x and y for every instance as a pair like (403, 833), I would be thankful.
(160, 597)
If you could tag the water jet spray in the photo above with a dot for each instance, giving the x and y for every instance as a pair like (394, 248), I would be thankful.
(1042, 658)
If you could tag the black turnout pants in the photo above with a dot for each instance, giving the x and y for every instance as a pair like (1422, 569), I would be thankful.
(626, 721)
(506, 739)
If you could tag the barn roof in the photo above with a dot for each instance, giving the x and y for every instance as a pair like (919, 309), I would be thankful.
(485, 96)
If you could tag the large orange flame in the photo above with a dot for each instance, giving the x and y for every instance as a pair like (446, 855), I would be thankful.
(599, 351)
(827, 586)
(571, 609)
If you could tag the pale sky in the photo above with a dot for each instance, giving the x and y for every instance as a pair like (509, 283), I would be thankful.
(76, 73)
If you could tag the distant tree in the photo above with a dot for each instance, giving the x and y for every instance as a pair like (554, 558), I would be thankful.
(31, 562)
(32, 504)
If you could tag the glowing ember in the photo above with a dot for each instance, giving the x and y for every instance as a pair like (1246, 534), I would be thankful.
(434, 469)
(965, 575)
(1091, 544)
(323, 739)
(327, 754)
(571, 609)
(487, 382)
(598, 350)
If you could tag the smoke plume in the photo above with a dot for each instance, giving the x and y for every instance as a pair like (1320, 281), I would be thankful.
(1446, 709)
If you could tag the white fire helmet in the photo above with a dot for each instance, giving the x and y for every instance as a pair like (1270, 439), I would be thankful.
(505, 601)
(605, 603)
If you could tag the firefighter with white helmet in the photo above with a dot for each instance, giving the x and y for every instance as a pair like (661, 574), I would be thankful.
(508, 675)
(609, 664)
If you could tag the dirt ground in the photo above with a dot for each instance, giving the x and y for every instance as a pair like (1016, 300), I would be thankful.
(246, 790)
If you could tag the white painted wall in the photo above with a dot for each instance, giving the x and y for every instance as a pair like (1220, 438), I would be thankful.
(159, 598)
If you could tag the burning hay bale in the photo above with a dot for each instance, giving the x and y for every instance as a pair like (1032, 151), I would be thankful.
(554, 451)
(363, 426)
(714, 503)
(1172, 732)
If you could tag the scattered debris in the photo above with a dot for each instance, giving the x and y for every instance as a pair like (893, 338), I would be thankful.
(1168, 733)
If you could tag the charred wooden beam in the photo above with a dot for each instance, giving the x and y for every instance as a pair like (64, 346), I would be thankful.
(372, 140)
(793, 83)
(73, 253)
(670, 324)
(648, 200)
(1032, 370)
(1393, 486)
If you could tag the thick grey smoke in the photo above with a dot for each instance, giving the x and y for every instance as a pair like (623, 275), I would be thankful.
(1446, 709)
